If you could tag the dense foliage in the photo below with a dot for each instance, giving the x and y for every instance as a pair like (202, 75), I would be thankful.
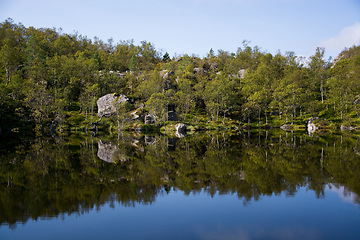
(44, 72)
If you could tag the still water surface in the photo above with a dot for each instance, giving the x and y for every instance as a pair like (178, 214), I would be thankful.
(267, 185)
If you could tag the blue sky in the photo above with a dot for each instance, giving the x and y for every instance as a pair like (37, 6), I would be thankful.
(194, 26)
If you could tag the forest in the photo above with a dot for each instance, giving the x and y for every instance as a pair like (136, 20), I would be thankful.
(47, 76)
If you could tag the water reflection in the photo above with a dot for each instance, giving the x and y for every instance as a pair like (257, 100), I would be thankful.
(109, 152)
(344, 193)
(50, 177)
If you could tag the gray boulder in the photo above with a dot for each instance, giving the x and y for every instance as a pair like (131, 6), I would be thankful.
(150, 119)
(200, 70)
(311, 127)
(165, 74)
(120, 75)
(233, 76)
(117, 73)
(357, 101)
(135, 113)
(162, 73)
(180, 130)
(107, 104)
(241, 73)
(210, 66)
(336, 60)
(214, 66)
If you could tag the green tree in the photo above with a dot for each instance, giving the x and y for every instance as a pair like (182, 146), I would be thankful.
(166, 57)
(132, 64)
(184, 97)
(219, 96)
(157, 105)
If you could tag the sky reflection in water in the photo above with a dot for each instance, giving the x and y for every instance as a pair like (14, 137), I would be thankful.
(200, 216)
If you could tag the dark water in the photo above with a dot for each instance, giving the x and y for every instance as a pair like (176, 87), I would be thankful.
(246, 185)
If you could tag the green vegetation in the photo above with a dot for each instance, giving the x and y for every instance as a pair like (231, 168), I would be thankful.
(49, 79)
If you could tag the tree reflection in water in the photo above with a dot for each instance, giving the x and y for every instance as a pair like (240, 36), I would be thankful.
(51, 177)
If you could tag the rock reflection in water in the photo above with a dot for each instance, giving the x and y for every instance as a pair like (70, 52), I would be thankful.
(109, 152)
(149, 140)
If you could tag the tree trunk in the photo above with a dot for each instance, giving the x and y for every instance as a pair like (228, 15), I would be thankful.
(7, 73)
(92, 109)
(322, 91)
(341, 107)
(266, 118)
(259, 117)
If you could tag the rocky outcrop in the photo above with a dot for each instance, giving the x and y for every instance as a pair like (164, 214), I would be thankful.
(210, 66)
(214, 66)
(165, 74)
(357, 101)
(107, 104)
(336, 60)
(241, 73)
(200, 70)
(180, 130)
(117, 73)
(150, 119)
(134, 114)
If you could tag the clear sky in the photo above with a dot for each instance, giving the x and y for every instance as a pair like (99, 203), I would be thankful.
(196, 26)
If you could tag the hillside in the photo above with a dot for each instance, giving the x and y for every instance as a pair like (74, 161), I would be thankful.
(48, 77)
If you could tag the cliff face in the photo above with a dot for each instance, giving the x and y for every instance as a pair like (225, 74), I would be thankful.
(346, 54)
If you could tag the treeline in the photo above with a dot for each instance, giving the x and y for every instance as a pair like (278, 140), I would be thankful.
(43, 72)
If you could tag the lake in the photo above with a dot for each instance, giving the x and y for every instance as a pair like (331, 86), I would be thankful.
(224, 185)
